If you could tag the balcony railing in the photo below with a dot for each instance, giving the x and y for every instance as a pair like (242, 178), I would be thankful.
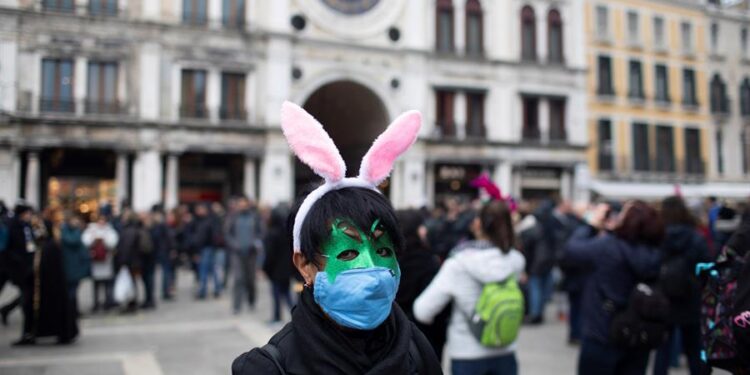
(195, 111)
(104, 107)
(57, 105)
(226, 113)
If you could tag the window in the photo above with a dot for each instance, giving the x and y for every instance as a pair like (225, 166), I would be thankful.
(641, 149)
(232, 96)
(719, 100)
(57, 86)
(605, 76)
(633, 28)
(659, 37)
(743, 41)
(194, 12)
(101, 94)
(714, 37)
(473, 28)
(58, 5)
(446, 123)
(528, 34)
(662, 84)
(475, 115)
(444, 25)
(719, 152)
(693, 161)
(531, 118)
(687, 37)
(688, 88)
(605, 150)
(602, 21)
(103, 7)
(233, 13)
(745, 97)
(193, 94)
(665, 149)
(554, 37)
(636, 80)
(557, 120)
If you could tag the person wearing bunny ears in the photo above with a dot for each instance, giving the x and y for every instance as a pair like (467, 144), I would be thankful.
(345, 239)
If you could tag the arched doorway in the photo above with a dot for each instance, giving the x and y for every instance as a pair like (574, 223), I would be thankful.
(353, 116)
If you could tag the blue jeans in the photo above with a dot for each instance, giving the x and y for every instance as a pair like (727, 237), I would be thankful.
(167, 275)
(206, 270)
(540, 292)
(280, 291)
(501, 365)
(597, 359)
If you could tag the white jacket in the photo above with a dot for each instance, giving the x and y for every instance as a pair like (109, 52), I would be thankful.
(103, 270)
(461, 280)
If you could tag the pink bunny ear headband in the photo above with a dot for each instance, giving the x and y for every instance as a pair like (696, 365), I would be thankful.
(484, 182)
(314, 147)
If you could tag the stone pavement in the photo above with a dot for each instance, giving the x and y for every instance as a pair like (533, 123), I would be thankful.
(203, 337)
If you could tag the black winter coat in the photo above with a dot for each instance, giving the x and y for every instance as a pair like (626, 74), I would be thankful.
(278, 261)
(685, 241)
(313, 344)
(18, 260)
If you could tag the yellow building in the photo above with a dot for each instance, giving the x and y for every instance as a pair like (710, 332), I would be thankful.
(648, 103)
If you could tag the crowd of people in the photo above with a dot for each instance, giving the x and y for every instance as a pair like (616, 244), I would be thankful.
(47, 255)
(596, 255)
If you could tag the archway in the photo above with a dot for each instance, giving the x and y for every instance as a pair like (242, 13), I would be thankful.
(353, 116)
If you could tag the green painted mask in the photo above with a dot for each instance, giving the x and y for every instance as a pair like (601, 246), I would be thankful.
(349, 248)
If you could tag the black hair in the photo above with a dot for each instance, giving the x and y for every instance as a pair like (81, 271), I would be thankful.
(361, 206)
(498, 225)
(410, 221)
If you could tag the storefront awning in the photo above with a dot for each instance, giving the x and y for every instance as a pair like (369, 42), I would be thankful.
(654, 191)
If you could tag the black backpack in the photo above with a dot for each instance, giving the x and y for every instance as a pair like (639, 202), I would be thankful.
(643, 325)
(677, 280)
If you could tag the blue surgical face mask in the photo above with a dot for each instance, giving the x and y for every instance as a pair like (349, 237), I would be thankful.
(360, 298)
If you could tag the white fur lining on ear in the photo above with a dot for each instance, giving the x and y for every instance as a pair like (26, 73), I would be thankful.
(315, 195)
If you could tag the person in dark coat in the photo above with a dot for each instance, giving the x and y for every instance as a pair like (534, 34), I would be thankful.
(133, 244)
(13, 260)
(206, 229)
(418, 267)
(278, 264)
(359, 332)
(48, 309)
(619, 261)
(76, 257)
(165, 252)
(683, 241)
(539, 241)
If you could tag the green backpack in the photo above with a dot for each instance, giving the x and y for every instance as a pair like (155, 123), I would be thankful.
(498, 314)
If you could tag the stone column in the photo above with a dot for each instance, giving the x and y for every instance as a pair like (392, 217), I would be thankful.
(544, 119)
(503, 176)
(429, 168)
(213, 95)
(566, 184)
(414, 184)
(10, 169)
(149, 60)
(32, 179)
(582, 183)
(249, 180)
(171, 196)
(459, 110)
(276, 172)
(122, 179)
(80, 78)
(147, 180)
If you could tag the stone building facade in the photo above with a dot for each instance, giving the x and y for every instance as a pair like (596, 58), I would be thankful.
(168, 101)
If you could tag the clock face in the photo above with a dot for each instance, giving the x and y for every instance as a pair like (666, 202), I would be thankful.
(351, 7)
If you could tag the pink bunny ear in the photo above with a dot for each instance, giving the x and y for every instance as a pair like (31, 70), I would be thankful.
(400, 135)
(310, 142)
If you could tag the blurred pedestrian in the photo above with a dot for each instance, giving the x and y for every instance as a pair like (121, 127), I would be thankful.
(48, 309)
(134, 242)
(19, 258)
(620, 260)
(101, 240)
(165, 251)
(683, 248)
(204, 233)
(148, 254)
(221, 263)
(539, 241)
(244, 240)
(75, 255)
(492, 258)
(278, 264)
(418, 267)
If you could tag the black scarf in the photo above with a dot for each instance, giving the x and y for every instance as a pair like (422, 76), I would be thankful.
(328, 349)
